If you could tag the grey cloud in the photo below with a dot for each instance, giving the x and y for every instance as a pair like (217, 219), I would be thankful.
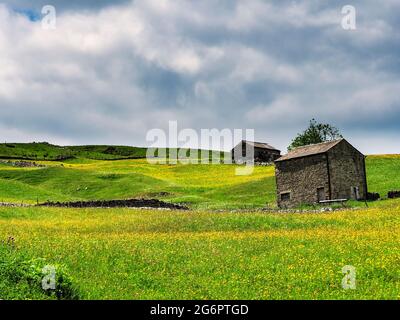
(108, 76)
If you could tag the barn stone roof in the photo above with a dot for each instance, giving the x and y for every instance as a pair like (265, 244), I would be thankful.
(310, 150)
(261, 145)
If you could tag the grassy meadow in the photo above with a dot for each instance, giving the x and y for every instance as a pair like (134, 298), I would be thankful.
(145, 254)
(198, 254)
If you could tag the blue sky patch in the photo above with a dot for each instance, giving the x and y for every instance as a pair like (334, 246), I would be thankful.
(32, 15)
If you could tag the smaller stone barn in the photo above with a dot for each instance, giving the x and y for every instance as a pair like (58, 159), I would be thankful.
(263, 152)
(326, 171)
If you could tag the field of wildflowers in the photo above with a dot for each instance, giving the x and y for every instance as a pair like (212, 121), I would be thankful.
(146, 254)
(199, 254)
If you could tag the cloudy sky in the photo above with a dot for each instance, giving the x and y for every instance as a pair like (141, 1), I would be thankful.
(112, 70)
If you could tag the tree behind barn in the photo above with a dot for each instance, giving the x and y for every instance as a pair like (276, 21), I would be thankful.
(315, 133)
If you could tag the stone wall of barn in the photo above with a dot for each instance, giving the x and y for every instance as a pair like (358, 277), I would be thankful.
(347, 171)
(301, 177)
(265, 155)
(260, 154)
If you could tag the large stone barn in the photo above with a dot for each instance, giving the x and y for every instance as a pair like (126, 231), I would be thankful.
(332, 170)
(263, 152)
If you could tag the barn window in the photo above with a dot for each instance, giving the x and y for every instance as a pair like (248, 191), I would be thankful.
(321, 194)
(285, 196)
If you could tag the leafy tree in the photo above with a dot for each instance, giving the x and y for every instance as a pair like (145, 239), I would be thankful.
(315, 133)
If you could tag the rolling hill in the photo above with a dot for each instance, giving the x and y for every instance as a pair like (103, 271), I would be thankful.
(198, 186)
(40, 151)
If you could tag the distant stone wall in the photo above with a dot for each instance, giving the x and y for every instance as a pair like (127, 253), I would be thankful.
(301, 177)
(22, 164)
(129, 203)
(393, 194)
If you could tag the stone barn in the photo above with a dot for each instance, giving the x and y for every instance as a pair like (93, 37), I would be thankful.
(263, 152)
(332, 170)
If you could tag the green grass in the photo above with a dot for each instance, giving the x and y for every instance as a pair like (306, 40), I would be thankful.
(383, 173)
(200, 254)
(136, 254)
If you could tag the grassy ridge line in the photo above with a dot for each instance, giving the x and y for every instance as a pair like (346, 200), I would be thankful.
(45, 151)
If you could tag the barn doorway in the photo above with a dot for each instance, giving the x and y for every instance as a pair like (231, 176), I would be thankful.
(355, 193)
(321, 194)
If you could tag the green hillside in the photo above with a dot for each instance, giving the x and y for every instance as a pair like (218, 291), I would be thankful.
(199, 186)
(383, 173)
(46, 151)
